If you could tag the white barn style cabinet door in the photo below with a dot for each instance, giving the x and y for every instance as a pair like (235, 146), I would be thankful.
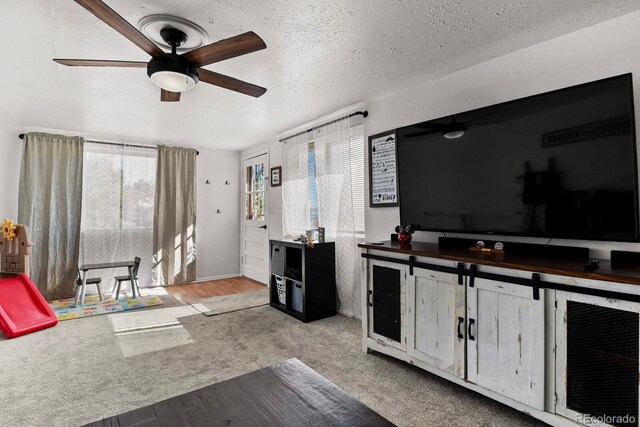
(505, 340)
(436, 320)
(386, 302)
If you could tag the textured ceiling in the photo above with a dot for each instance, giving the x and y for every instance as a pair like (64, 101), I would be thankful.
(321, 56)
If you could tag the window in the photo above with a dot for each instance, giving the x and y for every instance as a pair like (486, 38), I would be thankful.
(357, 176)
(117, 207)
(254, 188)
(313, 187)
(356, 141)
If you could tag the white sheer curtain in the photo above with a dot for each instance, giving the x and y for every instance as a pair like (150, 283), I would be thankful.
(117, 208)
(295, 186)
(318, 191)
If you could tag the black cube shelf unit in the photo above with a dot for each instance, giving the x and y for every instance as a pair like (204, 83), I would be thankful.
(310, 278)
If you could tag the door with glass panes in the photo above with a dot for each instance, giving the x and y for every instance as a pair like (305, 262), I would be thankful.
(255, 214)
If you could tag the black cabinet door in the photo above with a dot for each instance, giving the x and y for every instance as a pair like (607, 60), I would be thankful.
(387, 320)
(602, 362)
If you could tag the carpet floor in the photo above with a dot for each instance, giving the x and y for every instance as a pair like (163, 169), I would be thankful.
(234, 302)
(88, 369)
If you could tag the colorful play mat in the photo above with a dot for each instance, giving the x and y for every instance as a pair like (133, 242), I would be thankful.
(65, 309)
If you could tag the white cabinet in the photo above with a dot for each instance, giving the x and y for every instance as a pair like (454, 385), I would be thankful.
(436, 320)
(386, 303)
(557, 347)
(505, 340)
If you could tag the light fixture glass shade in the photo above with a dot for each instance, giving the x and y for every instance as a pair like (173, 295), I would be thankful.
(173, 81)
(454, 134)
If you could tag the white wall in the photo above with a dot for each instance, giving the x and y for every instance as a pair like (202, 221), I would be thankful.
(10, 156)
(218, 242)
(218, 234)
(593, 53)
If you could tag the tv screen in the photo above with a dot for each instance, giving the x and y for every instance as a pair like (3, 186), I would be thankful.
(560, 164)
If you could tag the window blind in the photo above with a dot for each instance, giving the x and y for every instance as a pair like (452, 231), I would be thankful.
(357, 175)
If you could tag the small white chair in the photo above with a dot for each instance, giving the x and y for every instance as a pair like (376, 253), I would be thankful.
(117, 281)
(90, 281)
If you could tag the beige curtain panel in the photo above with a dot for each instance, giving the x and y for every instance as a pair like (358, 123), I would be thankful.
(50, 203)
(174, 221)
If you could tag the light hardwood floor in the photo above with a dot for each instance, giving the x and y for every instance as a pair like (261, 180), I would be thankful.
(213, 288)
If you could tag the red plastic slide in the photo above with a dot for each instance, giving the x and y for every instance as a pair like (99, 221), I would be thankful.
(22, 308)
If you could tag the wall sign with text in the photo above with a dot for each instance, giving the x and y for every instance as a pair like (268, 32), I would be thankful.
(383, 173)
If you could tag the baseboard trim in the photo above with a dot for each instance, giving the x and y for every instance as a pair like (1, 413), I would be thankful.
(224, 276)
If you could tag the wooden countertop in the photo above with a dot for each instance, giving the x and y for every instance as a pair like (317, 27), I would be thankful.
(299, 243)
(629, 274)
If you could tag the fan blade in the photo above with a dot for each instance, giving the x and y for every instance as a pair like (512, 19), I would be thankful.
(225, 49)
(118, 23)
(432, 126)
(230, 83)
(100, 63)
(166, 96)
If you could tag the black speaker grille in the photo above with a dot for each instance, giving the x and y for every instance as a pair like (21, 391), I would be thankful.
(386, 302)
(602, 362)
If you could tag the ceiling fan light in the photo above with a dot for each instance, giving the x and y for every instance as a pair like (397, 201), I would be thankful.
(173, 73)
(453, 134)
(173, 81)
(454, 130)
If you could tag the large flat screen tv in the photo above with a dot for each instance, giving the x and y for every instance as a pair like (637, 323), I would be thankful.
(560, 164)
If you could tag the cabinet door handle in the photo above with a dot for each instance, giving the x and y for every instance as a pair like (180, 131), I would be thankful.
(471, 322)
(460, 320)
(263, 226)
(369, 298)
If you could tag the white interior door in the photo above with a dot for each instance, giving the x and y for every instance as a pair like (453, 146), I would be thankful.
(255, 212)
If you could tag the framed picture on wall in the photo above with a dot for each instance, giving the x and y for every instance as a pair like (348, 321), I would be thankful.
(276, 176)
(383, 172)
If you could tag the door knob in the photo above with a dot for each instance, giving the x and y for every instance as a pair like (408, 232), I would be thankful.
(263, 226)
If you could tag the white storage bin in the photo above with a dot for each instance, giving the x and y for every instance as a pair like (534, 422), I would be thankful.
(282, 289)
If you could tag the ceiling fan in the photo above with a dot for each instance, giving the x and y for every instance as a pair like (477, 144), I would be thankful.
(175, 73)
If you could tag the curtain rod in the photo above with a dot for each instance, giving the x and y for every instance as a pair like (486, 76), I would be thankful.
(151, 147)
(357, 113)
